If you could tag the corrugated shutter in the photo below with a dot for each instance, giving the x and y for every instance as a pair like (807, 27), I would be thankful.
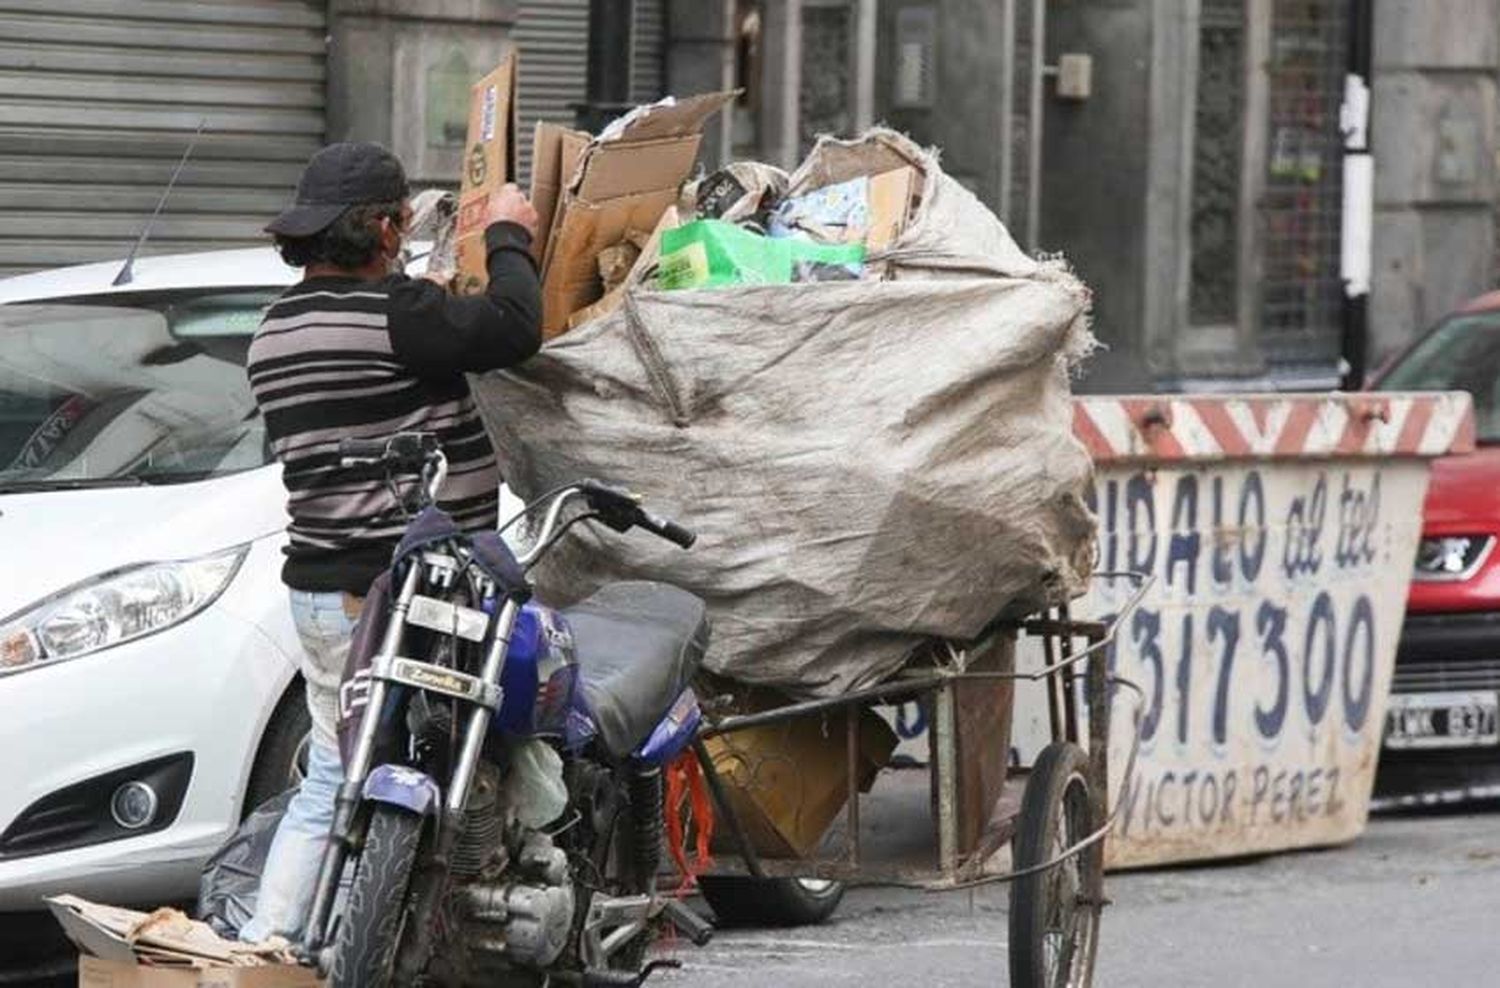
(98, 99)
(648, 60)
(553, 38)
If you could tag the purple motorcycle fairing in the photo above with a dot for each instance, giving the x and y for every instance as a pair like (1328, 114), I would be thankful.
(539, 683)
(407, 788)
(540, 694)
(674, 733)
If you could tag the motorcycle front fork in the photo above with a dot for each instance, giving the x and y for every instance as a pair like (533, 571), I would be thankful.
(347, 833)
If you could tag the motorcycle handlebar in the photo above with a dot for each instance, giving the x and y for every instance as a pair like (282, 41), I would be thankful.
(625, 509)
(667, 529)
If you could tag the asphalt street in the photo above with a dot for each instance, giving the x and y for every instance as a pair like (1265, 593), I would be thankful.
(1414, 902)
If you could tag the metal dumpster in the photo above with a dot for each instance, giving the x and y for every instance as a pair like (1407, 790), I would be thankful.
(1281, 532)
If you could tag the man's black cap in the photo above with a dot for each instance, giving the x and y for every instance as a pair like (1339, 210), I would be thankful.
(337, 177)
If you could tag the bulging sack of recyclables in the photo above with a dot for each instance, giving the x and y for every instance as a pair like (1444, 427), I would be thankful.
(867, 463)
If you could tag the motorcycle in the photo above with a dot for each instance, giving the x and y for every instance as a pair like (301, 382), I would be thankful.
(501, 821)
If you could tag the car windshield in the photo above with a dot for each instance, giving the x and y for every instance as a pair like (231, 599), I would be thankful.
(126, 390)
(1461, 354)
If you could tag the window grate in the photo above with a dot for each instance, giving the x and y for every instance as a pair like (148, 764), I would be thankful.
(1218, 138)
(826, 101)
(1300, 212)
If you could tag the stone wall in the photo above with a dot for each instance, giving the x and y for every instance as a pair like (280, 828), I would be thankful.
(1434, 139)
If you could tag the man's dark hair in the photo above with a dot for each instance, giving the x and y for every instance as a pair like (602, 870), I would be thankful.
(348, 242)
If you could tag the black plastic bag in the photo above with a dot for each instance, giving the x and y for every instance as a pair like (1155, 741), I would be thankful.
(231, 878)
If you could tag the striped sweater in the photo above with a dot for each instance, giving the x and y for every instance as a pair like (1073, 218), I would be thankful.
(338, 358)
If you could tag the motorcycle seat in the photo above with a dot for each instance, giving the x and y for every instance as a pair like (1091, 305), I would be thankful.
(638, 645)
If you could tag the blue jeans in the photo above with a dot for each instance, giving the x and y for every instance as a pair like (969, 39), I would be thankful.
(325, 624)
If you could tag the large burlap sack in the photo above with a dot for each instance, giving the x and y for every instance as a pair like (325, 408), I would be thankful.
(867, 463)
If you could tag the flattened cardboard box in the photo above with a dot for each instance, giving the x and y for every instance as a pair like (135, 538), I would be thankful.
(890, 206)
(625, 179)
(123, 948)
(489, 163)
(650, 254)
(555, 153)
(96, 973)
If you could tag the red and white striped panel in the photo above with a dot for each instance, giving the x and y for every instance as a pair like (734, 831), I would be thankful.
(1254, 427)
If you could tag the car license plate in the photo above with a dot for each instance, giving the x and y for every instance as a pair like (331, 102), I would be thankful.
(1443, 720)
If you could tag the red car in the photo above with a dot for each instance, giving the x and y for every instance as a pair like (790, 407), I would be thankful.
(1442, 740)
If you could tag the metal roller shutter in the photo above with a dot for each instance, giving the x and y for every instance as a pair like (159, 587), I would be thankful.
(553, 39)
(648, 59)
(99, 98)
(553, 36)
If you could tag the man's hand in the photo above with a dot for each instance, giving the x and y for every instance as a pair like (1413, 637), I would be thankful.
(508, 205)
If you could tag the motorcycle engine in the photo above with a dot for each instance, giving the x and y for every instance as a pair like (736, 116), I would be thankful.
(528, 915)
(517, 899)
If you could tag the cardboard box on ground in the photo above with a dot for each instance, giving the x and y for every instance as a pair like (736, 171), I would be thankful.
(489, 163)
(123, 948)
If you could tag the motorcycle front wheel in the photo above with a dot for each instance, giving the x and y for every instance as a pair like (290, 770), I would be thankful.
(375, 912)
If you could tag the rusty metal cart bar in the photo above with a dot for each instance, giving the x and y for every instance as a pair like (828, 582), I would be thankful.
(1058, 674)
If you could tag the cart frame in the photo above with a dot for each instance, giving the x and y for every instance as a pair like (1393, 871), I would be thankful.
(1060, 675)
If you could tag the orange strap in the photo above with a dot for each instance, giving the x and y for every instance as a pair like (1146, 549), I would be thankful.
(687, 797)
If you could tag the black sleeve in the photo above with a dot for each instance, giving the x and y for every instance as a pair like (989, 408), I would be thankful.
(438, 334)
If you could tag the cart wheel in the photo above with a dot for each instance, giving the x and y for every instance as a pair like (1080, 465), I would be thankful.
(1054, 921)
(770, 902)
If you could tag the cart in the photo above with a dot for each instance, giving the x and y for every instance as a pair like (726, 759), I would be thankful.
(1054, 816)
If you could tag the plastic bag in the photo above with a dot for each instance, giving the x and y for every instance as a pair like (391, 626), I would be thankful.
(834, 214)
(713, 254)
(740, 192)
(230, 880)
(534, 787)
(434, 213)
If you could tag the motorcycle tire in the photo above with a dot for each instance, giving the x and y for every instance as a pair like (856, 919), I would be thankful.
(770, 902)
(376, 909)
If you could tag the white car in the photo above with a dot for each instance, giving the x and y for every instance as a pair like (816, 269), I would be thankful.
(148, 685)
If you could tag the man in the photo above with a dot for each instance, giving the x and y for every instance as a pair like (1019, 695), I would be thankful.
(359, 350)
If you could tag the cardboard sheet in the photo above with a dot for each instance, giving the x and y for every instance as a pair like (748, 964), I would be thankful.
(555, 153)
(489, 163)
(124, 948)
(624, 180)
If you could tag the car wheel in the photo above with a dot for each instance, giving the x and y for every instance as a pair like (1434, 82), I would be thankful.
(281, 759)
(770, 902)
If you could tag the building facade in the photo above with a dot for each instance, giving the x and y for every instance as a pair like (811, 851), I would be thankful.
(99, 102)
(1194, 172)
(1197, 180)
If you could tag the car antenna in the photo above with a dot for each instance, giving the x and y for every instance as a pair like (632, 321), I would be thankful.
(127, 272)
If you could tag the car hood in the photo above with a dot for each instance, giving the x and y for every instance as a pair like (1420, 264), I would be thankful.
(1463, 494)
(54, 539)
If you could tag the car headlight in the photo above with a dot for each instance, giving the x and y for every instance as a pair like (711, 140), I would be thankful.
(1451, 557)
(112, 608)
